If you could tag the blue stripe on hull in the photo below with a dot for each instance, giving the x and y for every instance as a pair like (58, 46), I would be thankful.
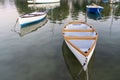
(30, 23)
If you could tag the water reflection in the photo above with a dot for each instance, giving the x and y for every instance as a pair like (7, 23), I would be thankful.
(60, 11)
(116, 10)
(74, 67)
(6, 4)
(2, 2)
(43, 6)
(76, 7)
(94, 16)
(111, 8)
(22, 7)
(32, 48)
(105, 1)
(30, 28)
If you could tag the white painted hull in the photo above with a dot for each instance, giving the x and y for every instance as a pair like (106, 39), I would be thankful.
(31, 19)
(30, 28)
(80, 57)
(43, 1)
(81, 39)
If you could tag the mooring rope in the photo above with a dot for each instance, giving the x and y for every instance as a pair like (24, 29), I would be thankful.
(14, 26)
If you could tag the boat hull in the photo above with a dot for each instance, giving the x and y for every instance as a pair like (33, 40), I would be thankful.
(94, 10)
(31, 20)
(31, 28)
(43, 1)
(80, 57)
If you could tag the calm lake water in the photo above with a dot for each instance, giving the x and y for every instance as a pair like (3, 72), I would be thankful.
(38, 52)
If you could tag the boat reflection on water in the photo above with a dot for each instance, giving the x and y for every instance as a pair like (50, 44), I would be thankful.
(94, 16)
(30, 28)
(105, 1)
(44, 6)
(74, 67)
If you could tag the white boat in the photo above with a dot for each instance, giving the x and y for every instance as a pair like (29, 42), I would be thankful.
(43, 1)
(31, 28)
(81, 38)
(31, 18)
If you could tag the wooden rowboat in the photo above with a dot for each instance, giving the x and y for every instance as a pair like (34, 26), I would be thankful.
(31, 18)
(81, 38)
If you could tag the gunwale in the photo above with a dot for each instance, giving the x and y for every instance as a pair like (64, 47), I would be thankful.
(30, 15)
